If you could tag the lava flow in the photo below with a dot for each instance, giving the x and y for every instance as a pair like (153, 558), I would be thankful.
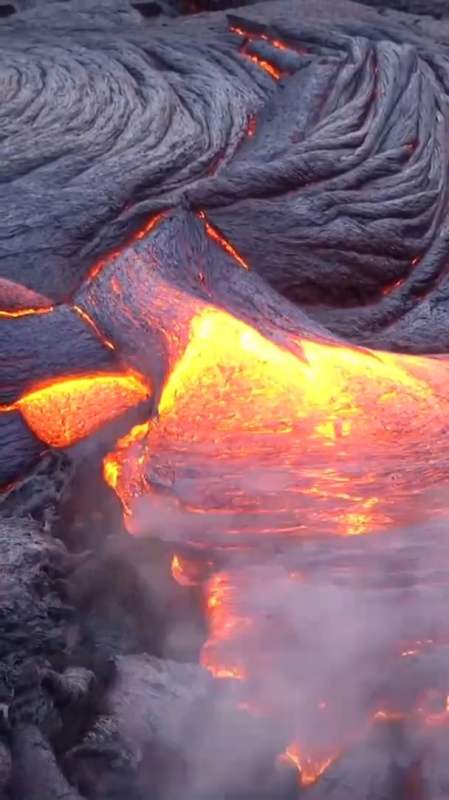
(224, 623)
(252, 439)
(189, 572)
(271, 70)
(64, 411)
(254, 444)
(251, 36)
(309, 769)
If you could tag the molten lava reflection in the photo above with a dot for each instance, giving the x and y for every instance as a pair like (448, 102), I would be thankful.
(389, 716)
(252, 36)
(69, 409)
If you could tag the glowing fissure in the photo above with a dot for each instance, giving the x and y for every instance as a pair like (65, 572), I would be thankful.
(187, 572)
(25, 312)
(249, 37)
(126, 460)
(90, 322)
(219, 239)
(61, 412)
(223, 624)
(270, 69)
(149, 226)
(309, 768)
(277, 43)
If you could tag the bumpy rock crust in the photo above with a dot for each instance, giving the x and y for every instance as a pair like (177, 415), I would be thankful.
(339, 194)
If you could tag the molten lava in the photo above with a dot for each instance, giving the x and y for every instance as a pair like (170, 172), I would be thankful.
(309, 768)
(251, 36)
(149, 226)
(219, 239)
(267, 67)
(224, 624)
(272, 442)
(64, 411)
(258, 440)
(25, 312)
(87, 319)
(127, 460)
(188, 571)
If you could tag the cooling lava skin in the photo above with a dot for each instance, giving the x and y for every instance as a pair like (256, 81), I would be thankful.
(311, 143)
(239, 225)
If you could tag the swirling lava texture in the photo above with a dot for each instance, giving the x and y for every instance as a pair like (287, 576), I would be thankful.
(347, 173)
(315, 138)
(95, 110)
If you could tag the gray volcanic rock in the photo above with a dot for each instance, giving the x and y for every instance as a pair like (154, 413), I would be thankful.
(147, 713)
(337, 198)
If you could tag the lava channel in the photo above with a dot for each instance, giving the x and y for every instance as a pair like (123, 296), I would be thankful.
(251, 440)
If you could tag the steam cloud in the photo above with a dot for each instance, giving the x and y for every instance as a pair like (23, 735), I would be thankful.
(336, 637)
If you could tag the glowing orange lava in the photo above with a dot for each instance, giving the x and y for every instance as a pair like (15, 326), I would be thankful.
(149, 226)
(190, 571)
(223, 624)
(287, 438)
(435, 713)
(270, 69)
(25, 312)
(421, 716)
(287, 432)
(277, 43)
(183, 572)
(222, 242)
(126, 459)
(89, 321)
(309, 768)
(64, 411)
(250, 36)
